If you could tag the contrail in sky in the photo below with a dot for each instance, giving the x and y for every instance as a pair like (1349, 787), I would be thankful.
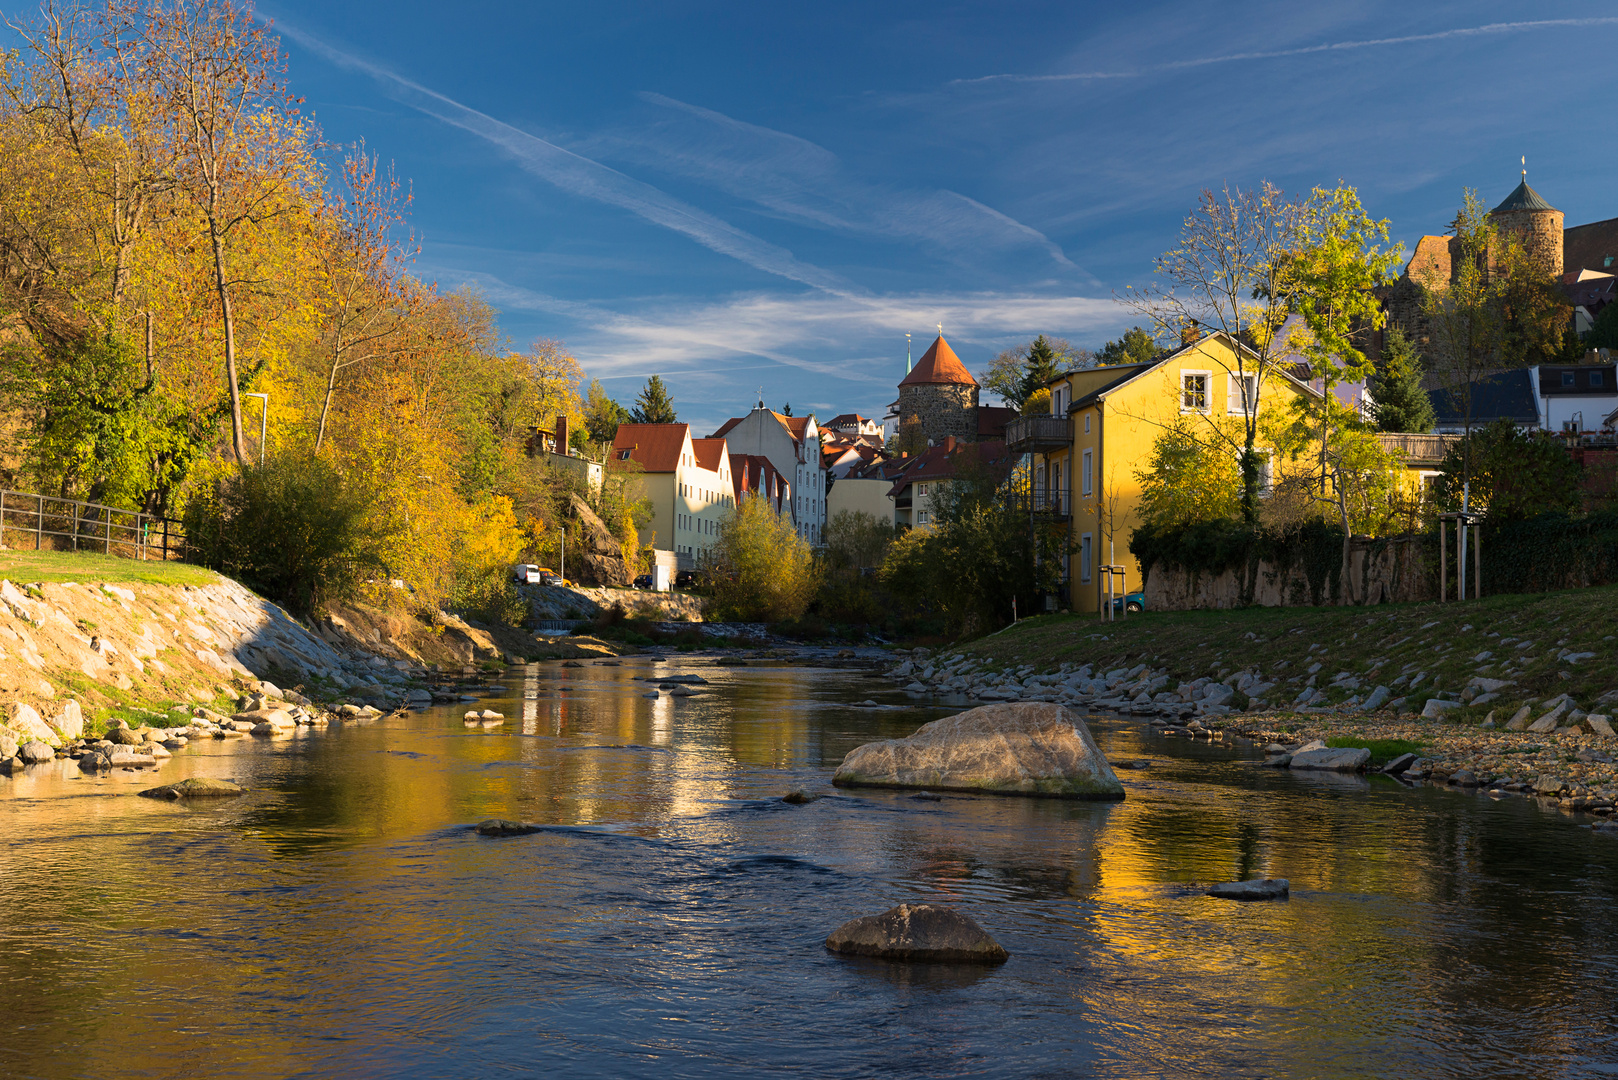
(589, 179)
(1336, 46)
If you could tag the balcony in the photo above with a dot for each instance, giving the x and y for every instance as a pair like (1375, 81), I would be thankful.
(1418, 449)
(1050, 503)
(1039, 434)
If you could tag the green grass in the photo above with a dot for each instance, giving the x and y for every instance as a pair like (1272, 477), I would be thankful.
(22, 567)
(1382, 750)
(1376, 643)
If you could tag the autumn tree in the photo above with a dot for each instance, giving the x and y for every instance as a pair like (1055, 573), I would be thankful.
(602, 415)
(1016, 374)
(217, 82)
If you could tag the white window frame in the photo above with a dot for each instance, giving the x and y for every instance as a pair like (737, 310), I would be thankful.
(1234, 396)
(921, 491)
(1207, 392)
(1087, 423)
(1086, 555)
(1266, 471)
(1087, 471)
(921, 517)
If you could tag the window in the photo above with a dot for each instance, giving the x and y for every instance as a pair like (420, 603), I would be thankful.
(1087, 472)
(1595, 378)
(1567, 378)
(1084, 557)
(1194, 391)
(921, 517)
(921, 489)
(1243, 394)
(1087, 423)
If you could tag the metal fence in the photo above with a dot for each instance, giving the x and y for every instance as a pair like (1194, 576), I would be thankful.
(49, 523)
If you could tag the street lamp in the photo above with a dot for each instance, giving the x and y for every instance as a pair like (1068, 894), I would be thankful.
(263, 425)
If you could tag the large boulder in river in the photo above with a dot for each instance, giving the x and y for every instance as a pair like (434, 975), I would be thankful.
(1021, 748)
(917, 932)
(197, 787)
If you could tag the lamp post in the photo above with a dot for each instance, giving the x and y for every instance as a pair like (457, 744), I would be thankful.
(263, 425)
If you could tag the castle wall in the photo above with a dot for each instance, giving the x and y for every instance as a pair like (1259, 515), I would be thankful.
(943, 409)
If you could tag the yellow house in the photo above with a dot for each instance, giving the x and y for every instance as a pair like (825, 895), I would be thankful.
(1102, 426)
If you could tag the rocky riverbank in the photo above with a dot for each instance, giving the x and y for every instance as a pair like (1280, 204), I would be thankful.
(1549, 748)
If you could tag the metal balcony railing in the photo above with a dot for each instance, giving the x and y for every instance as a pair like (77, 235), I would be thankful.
(1040, 433)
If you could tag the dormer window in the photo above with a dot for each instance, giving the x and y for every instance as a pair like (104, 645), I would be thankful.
(1567, 378)
(623, 455)
(1595, 379)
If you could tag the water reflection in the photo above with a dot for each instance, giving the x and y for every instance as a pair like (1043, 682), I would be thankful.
(667, 919)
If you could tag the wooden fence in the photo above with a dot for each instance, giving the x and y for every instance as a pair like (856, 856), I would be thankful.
(49, 523)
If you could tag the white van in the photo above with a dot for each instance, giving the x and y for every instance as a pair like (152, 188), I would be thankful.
(526, 574)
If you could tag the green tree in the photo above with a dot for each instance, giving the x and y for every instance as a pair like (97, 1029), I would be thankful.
(1535, 313)
(855, 539)
(602, 415)
(1135, 347)
(654, 405)
(1017, 374)
(1188, 478)
(1398, 402)
(760, 570)
(1467, 315)
(1604, 333)
(1514, 474)
(786, 410)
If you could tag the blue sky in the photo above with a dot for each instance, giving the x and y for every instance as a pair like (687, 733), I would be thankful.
(745, 195)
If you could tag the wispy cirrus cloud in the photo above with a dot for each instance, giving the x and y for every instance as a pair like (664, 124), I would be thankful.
(1486, 30)
(799, 181)
(584, 177)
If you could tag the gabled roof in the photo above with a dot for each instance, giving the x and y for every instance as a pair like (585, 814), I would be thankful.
(939, 462)
(796, 426)
(1130, 372)
(939, 365)
(852, 419)
(656, 447)
(1522, 197)
(709, 453)
(753, 474)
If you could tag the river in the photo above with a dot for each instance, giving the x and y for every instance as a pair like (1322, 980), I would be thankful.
(668, 919)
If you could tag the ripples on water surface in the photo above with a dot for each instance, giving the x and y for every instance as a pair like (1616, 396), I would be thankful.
(668, 919)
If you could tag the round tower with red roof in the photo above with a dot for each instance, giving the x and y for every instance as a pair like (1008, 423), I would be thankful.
(939, 397)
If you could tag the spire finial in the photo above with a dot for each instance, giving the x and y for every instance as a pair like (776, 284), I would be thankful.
(908, 364)
(1525, 168)
(940, 329)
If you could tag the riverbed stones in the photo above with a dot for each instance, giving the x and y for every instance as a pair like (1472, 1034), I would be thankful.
(1437, 707)
(502, 827)
(1399, 764)
(36, 752)
(196, 787)
(1265, 889)
(800, 797)
(1024, 748)
(1332, 759)
(69, 723)
(917, 933)
(29, 727)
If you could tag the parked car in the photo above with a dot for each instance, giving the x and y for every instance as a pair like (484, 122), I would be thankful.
(642, 582)
(1135, 601)
(687, 579)
(547, 576)
(526, 574)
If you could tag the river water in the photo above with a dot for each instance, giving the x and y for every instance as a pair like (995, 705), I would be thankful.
(668, 919)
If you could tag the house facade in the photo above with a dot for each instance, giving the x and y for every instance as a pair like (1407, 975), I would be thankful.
(792, 445)
(688, 482)
(1101, 429)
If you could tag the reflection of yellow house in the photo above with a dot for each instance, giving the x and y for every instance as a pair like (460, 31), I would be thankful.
(1101, 428)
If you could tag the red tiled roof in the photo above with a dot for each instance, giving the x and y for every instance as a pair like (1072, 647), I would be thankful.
(851, 418)
(656, 447)
(753, 474)
(708, 452)
(725, 428)
(939, 364)
(939, 462)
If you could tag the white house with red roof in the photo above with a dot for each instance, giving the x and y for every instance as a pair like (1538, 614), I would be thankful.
(688, 481)
(792, 445)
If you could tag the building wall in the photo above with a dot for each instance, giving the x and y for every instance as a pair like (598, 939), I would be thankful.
(861, 496)
(759, 432)
(942, 409)
(659, 488)
(1124, 426)
(1541, 234)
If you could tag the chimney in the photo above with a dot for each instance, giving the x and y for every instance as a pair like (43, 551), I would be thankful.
(949, 444)
(561, 434)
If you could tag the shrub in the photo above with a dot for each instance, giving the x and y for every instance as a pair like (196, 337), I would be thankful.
(759, 568)
(294, 530)
(1516, 474)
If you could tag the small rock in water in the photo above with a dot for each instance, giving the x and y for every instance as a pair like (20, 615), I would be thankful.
(1136, 765)
(1267, 889)
(918, 933)
(197, 787)
(1463, 778)
(799, 797)
(927, 796)
(490, 714)
(1399, 764)
(571, 663)
(653, 694)
(35, 752)
(502, 827)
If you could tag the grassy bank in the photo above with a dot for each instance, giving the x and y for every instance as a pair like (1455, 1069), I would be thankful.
(1524, 639)
(25, 567)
